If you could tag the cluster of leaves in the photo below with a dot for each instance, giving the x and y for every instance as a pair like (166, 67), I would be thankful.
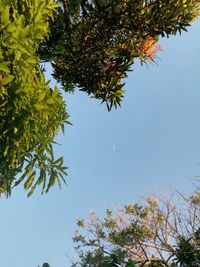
(188, 250)
(156, 233)
(45, 265)
(31, 113)
(93, 43)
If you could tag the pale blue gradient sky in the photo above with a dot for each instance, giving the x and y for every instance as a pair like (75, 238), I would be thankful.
(156, 135)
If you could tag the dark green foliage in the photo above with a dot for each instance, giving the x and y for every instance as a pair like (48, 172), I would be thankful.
(188, 250)
(93, 43)
(46, 265)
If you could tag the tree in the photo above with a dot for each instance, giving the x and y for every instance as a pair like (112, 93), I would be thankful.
(45, 265)
(93, 43)
(31, 113)
(156, 233)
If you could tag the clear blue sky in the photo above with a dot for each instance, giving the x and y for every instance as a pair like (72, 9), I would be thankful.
(151, 144)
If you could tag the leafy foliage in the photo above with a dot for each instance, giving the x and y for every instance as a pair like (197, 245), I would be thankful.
(188, 250)
(93, 43)
(156, 233)
(31, 113)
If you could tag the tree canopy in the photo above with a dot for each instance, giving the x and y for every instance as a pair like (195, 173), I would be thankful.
(31, 113)
(154, 233)
(91, 44)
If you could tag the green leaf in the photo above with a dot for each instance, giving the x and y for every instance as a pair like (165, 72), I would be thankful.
(30, 180)
(7, 79)
(4, 67)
